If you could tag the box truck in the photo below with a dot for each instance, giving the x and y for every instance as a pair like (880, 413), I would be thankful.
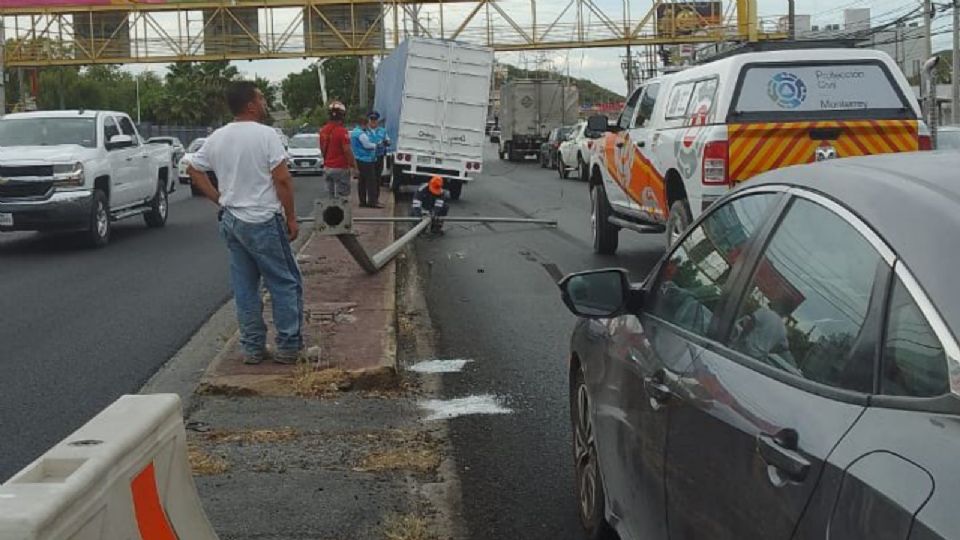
(434, 96)
(529, 110)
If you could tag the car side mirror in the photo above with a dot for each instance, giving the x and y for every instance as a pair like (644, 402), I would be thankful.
(120, 141)
(598, 123)
(597, 294)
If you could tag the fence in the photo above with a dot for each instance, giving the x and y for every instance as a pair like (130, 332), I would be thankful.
(186, 134)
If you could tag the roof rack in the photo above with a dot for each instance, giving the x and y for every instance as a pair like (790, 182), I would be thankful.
(765, 46)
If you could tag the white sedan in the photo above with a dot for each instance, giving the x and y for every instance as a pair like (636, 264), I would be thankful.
(305, 155)
(192, 149)
(575, 151)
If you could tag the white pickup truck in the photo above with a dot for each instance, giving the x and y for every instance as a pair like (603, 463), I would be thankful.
(79, 171)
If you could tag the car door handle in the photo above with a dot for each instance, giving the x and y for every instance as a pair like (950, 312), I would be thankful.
(655, 388)
(780, 452)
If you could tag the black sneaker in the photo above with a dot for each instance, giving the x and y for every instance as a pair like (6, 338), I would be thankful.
(286, 357)
(255, 358)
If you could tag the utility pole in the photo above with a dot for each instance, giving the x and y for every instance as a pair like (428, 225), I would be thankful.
(3, 71)
(955, 75)
(629, 65)
(137, 84)
(927, 53)
(362, 79)
(791, 20)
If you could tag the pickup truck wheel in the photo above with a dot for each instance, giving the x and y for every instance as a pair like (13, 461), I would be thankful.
(456, 189)
(606, 236)
(582, 166)
(157, 215)
(562, 167)
(98, 235)
(678, 221)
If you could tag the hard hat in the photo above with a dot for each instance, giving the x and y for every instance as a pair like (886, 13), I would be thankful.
(336, 106)
(436, 186)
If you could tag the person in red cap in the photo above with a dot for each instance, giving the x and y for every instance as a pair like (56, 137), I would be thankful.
(431, 199)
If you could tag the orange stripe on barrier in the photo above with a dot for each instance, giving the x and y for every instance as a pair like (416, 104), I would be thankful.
(151, 518)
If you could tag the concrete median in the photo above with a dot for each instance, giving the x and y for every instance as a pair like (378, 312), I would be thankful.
(125, 474)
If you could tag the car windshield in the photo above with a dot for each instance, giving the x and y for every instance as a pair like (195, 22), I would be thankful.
(948, 140)
(196, 145)
(309, 141)
(48, 132)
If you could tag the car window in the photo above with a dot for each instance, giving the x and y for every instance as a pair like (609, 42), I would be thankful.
(914, 363)
(110, 129)
(126, 126)
(626, 117)
(808, 299)
(679, 99)
(689, 284)
(647, 102)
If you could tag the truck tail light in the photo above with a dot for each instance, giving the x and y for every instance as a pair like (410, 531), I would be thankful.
(926, 142)
(473, 166)
(715, 159)
(590, 144)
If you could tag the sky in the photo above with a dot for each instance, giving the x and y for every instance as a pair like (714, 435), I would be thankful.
(602, 66)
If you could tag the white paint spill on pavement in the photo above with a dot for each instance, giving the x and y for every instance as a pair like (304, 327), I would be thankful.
(440, 366)
(443, 409)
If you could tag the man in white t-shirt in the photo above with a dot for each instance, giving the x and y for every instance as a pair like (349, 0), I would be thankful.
(257, 222)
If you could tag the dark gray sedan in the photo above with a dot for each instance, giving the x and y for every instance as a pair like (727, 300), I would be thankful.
(790, 368)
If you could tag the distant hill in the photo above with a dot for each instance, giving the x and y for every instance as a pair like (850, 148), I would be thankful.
(590, 92)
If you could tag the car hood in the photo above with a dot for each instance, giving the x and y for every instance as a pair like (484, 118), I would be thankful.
(45, 155)
(305, 152)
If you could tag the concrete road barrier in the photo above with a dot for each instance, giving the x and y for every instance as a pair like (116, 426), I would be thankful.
(124, 475)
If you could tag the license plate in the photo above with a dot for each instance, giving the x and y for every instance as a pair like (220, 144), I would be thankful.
(6, 220)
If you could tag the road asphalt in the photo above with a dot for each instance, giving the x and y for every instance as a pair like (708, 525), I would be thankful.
(492, 296)
(80, 327)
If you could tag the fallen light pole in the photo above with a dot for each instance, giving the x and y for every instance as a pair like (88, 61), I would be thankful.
(449, 219)
(333, 218)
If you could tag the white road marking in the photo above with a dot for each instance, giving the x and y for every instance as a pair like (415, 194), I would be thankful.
(443, 409)
(440, 366)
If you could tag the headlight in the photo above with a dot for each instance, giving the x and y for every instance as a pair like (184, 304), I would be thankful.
(68, 175)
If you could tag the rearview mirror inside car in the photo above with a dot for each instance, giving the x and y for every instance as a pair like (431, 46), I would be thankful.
(596, 294)
(598, 123)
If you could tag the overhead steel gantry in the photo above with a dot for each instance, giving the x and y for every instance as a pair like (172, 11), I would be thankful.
(257, 29)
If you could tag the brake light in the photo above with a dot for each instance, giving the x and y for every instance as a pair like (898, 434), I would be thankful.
(590, 145)
(715, 158)
(926, 142)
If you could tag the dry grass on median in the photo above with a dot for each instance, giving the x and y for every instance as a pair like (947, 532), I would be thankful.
(407, 527)
(204, 464)
(402, 451)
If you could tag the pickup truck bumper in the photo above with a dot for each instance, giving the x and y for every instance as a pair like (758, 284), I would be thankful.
(65, 210)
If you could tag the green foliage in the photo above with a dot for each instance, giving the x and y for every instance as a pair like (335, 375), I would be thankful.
(188, 94)
(301, 93)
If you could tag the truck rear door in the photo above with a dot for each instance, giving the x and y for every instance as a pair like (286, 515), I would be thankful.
(445, 101)
(791, 113)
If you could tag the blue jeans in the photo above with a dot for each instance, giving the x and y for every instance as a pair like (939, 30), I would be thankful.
(261, 250)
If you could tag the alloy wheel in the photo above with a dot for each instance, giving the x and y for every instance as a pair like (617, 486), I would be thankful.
(585, 456)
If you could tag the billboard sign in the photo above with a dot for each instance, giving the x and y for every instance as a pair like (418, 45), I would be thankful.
(687, 18)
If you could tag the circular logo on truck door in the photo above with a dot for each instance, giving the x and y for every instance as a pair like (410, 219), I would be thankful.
(787, 90)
